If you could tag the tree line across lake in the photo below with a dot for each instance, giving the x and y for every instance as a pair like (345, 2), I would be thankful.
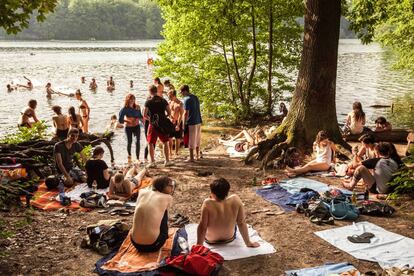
(100, 20)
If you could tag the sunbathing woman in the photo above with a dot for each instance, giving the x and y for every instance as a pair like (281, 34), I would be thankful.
(60, 122)
(325, 155)
(74, 120)
(84, 111)
(356, 119)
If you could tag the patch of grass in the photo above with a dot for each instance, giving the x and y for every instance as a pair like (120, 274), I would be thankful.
(4, 234)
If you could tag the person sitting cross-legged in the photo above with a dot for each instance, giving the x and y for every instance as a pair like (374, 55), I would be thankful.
(219, 216)
(150, 224)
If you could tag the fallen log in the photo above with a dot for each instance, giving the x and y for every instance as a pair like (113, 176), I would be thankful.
(393, 136)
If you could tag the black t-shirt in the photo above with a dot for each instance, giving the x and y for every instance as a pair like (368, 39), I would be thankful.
(94, 171)
(157, 107)
(66, 154)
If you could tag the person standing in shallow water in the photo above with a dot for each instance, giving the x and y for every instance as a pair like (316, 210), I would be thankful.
(60, 122)
(192, 118)
(160, 87)
(84, 111)
(130, 115)
(27, 113)
(93, 85)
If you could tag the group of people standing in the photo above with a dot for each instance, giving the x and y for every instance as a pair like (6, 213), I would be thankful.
(163, 120)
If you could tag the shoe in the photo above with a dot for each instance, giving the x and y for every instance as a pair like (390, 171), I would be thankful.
(151, 165)
(168, 163)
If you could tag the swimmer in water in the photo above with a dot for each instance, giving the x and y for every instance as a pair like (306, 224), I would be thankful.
(110, 84)
(50, 91)
(131, 84)
(84, 111)
(10, 88)
(29, 84)
(93, 85)
(82, 79)
(27, 113)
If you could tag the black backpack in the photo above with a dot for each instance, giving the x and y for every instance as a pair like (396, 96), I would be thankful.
(162, 124)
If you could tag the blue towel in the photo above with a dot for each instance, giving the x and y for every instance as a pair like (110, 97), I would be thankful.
(276, 195)
(300, 198)
(323, 270)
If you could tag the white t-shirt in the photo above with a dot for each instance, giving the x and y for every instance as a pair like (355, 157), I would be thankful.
(324, 154)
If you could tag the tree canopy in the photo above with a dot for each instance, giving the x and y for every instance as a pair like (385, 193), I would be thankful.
(391, 22)
(15, 14)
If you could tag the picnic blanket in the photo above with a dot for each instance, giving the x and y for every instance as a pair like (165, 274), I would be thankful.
(328, 269)
(45, 200)
(388, 249)
(79, 189)
(235, 249)
(277, 195)
(128, 260)
(294, 185)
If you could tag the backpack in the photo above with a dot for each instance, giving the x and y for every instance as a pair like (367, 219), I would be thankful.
(375, 208)
(200, 261)
(343, 210)
(93, 200)
(162, 124)
(105, 236)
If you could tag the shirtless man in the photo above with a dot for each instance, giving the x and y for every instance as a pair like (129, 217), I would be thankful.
(177, 111)
(28, 86)
(219, 216)
(27, 113)
(60, 122)
(160, 87)
(150, 224)
(93, 86)
(50, 91)
(110, 84)
(84, 111)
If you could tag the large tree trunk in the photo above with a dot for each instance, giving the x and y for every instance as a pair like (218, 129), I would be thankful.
(270, 64)
(313, 104)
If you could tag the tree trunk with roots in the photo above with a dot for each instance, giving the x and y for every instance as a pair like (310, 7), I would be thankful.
(313, 104)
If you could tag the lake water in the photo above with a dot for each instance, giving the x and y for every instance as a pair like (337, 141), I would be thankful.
(363, 75)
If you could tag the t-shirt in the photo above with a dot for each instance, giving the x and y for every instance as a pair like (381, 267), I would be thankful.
(192, 105)
(66, 154)
(157, 107)
(94, 171)
(383, 172)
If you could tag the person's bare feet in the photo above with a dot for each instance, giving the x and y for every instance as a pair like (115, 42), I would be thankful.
(347, 184)
(189, 160)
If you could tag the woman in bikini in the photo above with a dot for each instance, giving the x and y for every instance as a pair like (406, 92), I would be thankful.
(325, 155)
(84, 111)
(74, 120)
(27, 113)
(60, 122)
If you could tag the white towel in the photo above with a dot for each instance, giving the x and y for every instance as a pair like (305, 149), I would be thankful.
(235, 249)
(79, 189)
(387, 248)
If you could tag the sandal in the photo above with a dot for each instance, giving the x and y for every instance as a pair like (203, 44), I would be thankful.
(363, 238)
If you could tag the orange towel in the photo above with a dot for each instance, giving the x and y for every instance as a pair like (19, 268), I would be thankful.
(46, 200)
(128, 259)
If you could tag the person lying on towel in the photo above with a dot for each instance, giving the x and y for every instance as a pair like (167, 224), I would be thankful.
(219, 216)
(150, 224)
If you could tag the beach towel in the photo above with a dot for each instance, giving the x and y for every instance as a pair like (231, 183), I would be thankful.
(324, 270)
(235, 249)
(276, 195)
(388, 249)
(129, 260)
(46, 200)
(294, 185)
(79, 189)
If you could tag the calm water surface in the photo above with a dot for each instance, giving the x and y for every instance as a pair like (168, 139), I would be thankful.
(363, 75)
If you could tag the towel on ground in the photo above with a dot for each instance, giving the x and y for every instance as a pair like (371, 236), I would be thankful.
(45, 200)
(294, 185)
(328, 269)
(79, 189)
(128, 259)
(235, 249)
(300, 198)
(277, 195)
(388, 249)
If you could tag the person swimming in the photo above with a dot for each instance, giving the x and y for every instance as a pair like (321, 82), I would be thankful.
(110, 84)
(29, 84)
(93, 85)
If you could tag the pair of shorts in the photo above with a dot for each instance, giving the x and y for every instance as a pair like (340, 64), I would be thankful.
(153, 135)
(178, 134)
(194, 136)
(223, 241)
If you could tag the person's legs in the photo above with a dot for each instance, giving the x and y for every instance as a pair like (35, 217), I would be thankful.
(170, 143)
(360, 172)
(152, 138)
(152, 152)
(128, 132)
(177, 145)
(166, 149)
(311, 166)
(146, 125)
(137, 133)
(248, 137)
(197, 140)
(191, 141)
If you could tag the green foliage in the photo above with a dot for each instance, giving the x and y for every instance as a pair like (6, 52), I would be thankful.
(99, 19)
(15, 14)
(25, 134)
(391, 22)
(220, 49)
(403, 111)
(10, 191)
(87, 152)
(402, 183)
(4, 234)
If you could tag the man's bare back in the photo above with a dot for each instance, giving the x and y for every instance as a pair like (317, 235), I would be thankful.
(60, 121)
(150, 209)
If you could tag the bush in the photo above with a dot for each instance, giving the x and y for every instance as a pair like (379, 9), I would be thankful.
(25, 134)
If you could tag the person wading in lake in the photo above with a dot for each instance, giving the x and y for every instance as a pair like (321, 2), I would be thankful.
(130, 114)
(60, 122)
(93, 85)
(155, 110)
(74, 119)
(84, 111)
(177, 111)
(27, 113)
(29, 84)
(110, 84)
(160, 87)
(64, 152)
(192, 118)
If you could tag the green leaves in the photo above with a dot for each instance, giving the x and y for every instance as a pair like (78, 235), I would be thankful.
(25, 134)
(220, 49)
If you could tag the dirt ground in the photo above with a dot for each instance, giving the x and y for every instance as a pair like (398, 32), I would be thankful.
(47, 243)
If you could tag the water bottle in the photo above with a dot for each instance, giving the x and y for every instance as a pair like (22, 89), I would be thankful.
(61, 189)
(183, 244)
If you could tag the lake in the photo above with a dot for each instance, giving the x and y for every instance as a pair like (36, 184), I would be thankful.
(363, 74)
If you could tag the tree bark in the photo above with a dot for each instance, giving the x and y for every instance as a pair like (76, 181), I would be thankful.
(270, 64)
(313, 105)
(229, 77)
(252, 71)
